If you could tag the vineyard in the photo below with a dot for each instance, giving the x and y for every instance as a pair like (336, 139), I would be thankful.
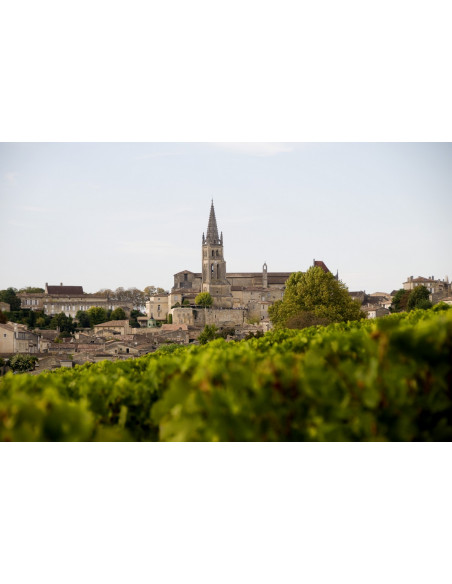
(389, 379)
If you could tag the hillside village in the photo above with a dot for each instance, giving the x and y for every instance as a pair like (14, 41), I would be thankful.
(240, 308)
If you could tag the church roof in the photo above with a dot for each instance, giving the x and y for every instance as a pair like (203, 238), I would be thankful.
(212, 229)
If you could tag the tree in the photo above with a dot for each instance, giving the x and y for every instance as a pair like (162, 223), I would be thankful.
(118, 314)
(10, 297)
(318, 293)
(306, 319)
(3, 319)
(23, 363)
(82, 318)
(419, 298)
(64, 323)
(134, 314)
(209, 333)
(151, 290)
(204, 299)
(400, 300)
(96, 315)
(31, 290)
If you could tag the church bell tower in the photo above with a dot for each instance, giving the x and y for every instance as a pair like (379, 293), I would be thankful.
(214, 266)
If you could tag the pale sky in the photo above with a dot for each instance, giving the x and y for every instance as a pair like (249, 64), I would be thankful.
(104, 215)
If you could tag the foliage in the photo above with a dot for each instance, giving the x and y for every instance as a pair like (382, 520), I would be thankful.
(3, 317)
(96, 315)
(316, 292)
(400, 300)
(82, 318)
(379, 379)
(225, 332)
(169, 319)
(208, 334)
(23, 363)
(151, 290)
(118, 314)
(306, 319)
(134, 314)
(419, 298)
(32, 290)
(10, 297)
(204, 299)
(135, 297)
(64, 323)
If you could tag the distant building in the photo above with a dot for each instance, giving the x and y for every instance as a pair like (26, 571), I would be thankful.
(433, 285)
(116, 327)
(237, 296)
(68, 299)
(5, 307)
(16, 338)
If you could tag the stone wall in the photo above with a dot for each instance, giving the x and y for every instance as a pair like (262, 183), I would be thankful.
(202, 316)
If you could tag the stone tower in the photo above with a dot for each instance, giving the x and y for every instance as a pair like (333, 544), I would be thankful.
(214, 266)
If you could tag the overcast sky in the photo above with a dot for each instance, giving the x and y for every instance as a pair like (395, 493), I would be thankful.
(104, 215)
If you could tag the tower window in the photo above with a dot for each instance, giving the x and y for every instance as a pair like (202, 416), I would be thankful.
(213, 253)
(211, 269)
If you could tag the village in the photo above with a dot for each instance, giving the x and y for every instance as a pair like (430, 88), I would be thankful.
(239, 309)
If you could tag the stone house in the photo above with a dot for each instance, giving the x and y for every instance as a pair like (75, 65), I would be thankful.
(5, 307)
(16, 338)
(375, 311)
(113, 327)
(434, 286)
(157, 306)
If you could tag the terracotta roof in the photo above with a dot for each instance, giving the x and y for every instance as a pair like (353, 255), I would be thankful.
(114, 323)
(65, 290)
(320, 264)
(174, 327)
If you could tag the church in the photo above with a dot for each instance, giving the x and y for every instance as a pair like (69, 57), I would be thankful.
(238, 298)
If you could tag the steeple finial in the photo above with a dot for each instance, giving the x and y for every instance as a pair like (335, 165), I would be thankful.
(212, 229)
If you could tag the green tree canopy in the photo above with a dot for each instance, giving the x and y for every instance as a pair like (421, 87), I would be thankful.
(400, 300)
(209, 333)
(82, 318)
(32, 290)
(318, 293)
(96, 315)
(204, 299)
(419, 298)
(10, 297)
(118, 314)
(62, 322)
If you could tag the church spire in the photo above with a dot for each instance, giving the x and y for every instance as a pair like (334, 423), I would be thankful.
(212, 229)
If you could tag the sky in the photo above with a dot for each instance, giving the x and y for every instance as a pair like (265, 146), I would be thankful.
(104, 215)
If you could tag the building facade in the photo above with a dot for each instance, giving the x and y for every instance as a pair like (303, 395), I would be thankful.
(68, 299)
(238, 297)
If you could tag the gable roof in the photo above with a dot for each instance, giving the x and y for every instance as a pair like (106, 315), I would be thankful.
(113, 323)
(64, 290)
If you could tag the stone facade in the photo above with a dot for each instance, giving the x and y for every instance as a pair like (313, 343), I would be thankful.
(237, 296)
(16, 338)
(434, 286)
(68, 299)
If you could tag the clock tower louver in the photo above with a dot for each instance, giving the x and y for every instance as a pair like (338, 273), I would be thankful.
(214, 266)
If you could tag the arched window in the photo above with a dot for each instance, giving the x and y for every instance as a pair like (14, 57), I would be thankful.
(213, 253)
(218, 271)
(211, 269)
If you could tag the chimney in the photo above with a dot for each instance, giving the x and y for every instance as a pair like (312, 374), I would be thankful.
(61, 283)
